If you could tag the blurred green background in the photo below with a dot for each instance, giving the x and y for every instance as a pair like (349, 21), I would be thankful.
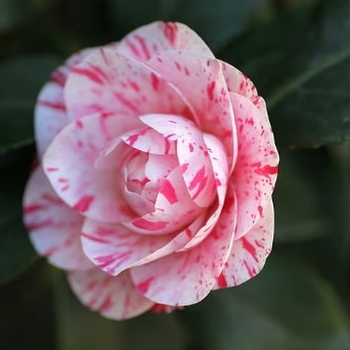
(297, 52)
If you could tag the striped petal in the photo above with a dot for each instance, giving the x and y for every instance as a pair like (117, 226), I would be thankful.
(113, 248)
(239, 83)
(192, 154)
(50, 111)
(255, 172)
(108, 82)
(149, 40)
(219, 162)
(54, 227)
(150, 141)
(113, 297)
(201, 80)
(249, 253)
(70, 158)
(186, 278)
(174, 209)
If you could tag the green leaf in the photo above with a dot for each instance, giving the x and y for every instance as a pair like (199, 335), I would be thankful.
(27, 311)
(299, 199)
(16, 252)
(301, 65)
(288, 306)
(217, 21)
(15, 12)
(20, 82)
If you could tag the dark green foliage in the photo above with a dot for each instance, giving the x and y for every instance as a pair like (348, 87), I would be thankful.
(298, 54)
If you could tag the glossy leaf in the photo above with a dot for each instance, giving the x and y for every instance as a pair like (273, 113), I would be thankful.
(300, 201)
(27, 311)
(16, 252)
(300, 64)
(20, 82)
(15, 12)
(286, 307)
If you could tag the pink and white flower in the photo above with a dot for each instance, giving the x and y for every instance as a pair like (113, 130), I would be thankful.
(157, 167)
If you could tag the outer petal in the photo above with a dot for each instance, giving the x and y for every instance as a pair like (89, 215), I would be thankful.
(111, 83)
(201, 80)
(54, 227)
(149, 40)
(186, 278)
(70, 158)
(255, 173)
(50, 111)
(239, 83)
(113, 297)
(249, 253)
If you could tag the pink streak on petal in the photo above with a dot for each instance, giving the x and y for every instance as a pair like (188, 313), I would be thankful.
(93, 192)
(83, 204)
(196, 165)
(115, 248)
(50, 110)
(210, 99)
(219, 163)
(148, 140)
(168, 191)
(54, 227)
(154, 38)
(187, 277)
(150, 226)
(249, 253)
(168, 217)
(255, 172)
(115, 94)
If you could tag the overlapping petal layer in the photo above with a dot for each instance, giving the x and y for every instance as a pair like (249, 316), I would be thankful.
(249, 253)
(187, 277)
(54, 227)
(110, 83)
(255, 173)
(114, 297)
(71, 158)
(147, 41)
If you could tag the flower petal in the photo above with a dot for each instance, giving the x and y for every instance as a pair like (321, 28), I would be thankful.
(201, 80)
(249, 253)
(186, 278)
(113, 248)
(54, 227)
(255, 173)
(108, 82)
(219, 162)
(192, 154)
(148, 140)
(239, 83)
(50, 110)
(113, 297)
(174, 209)
(71, 156)
(149, 40)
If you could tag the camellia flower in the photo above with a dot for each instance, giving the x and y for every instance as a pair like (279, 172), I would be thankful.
(156, 168)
